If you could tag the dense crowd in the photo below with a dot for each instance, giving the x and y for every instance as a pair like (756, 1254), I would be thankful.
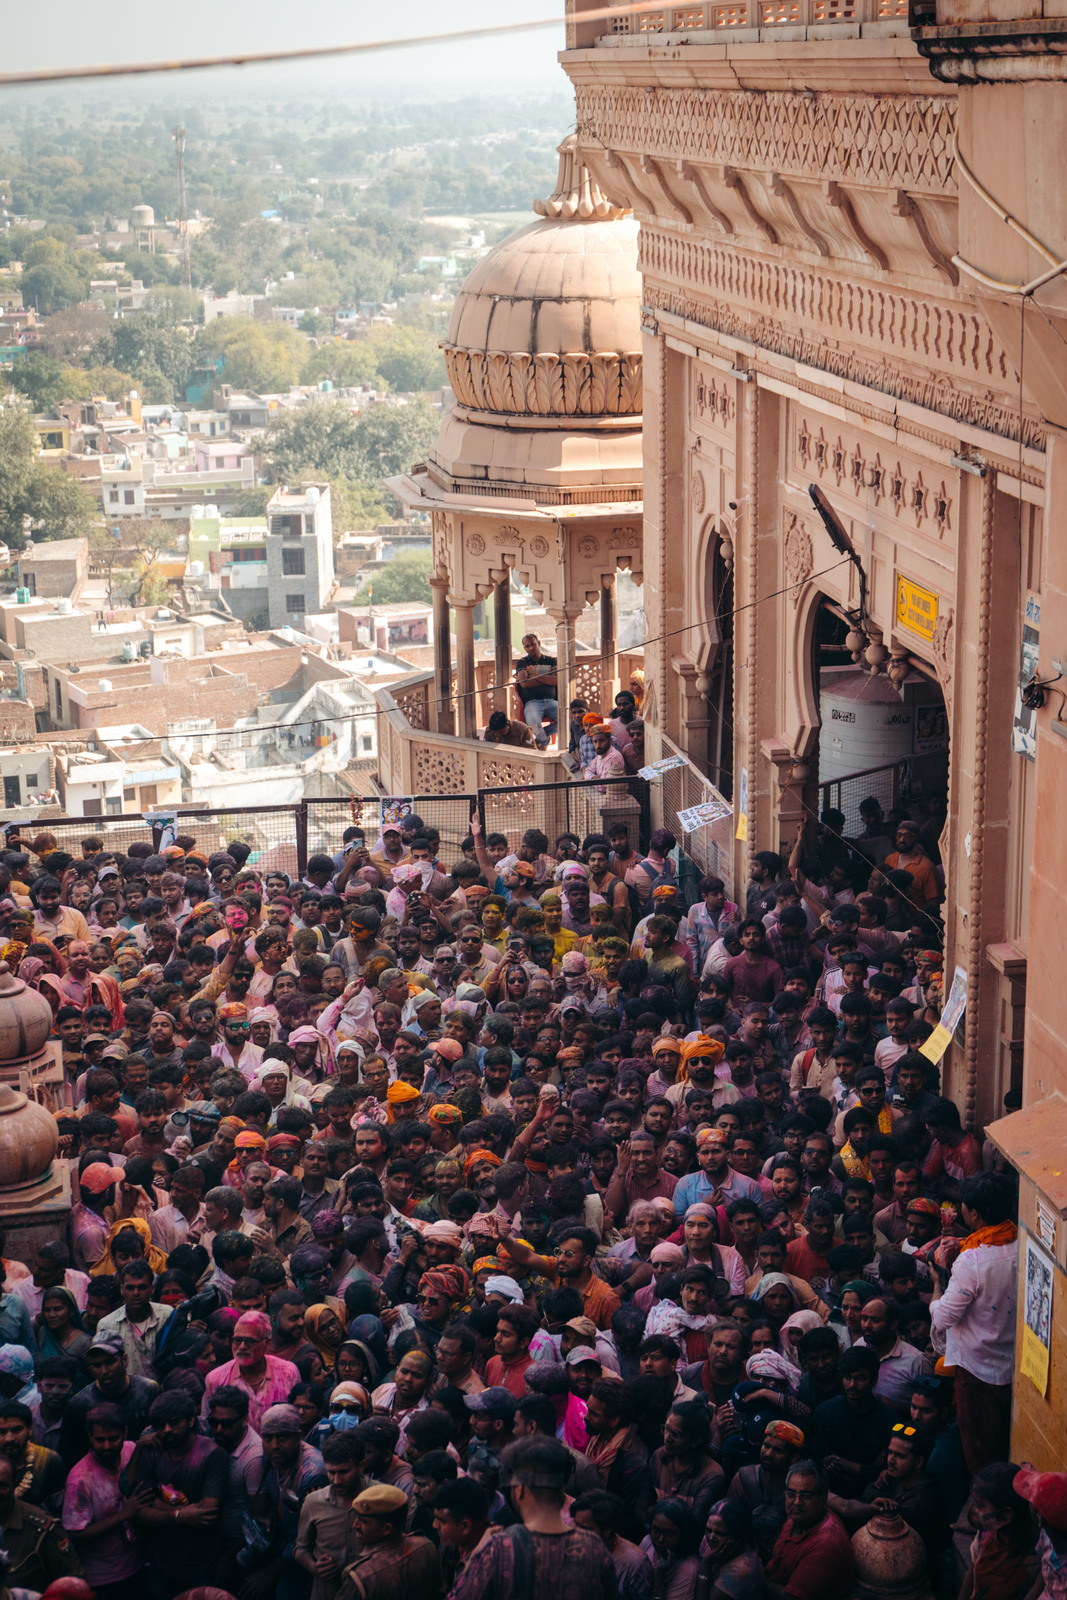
(502, 1225)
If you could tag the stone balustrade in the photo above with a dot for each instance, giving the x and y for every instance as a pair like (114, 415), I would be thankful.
(730, 19)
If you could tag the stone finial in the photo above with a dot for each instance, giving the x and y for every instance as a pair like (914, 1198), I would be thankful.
(577, 193)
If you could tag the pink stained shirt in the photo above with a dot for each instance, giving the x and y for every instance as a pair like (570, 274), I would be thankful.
(274, 1390)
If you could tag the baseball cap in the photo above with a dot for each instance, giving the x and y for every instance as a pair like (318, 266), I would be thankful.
(495, 1401)
(1046, 1492)
(98, 1177)
(112, 1342)
(580, 1353)
(585, 1328)
(390, 827)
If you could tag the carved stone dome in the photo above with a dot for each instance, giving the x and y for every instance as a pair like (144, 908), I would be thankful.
(549, 323)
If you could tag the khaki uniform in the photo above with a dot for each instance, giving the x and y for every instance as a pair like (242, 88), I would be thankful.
(38, 1548)
(406, 1566)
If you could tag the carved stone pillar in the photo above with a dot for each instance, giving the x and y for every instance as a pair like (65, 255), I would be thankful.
(441, 700)
(502, 632)
(466, 710)
(564, 619)
(608, 642)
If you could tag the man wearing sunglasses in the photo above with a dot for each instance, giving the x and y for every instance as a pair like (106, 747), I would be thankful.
(264, 1378)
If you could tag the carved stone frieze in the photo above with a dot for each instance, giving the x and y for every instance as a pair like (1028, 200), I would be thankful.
(714, 400)
(853, 467)
(865, 139)
(935, 354)
(579, 384)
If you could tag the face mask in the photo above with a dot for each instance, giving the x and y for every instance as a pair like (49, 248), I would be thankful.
(344, 1421)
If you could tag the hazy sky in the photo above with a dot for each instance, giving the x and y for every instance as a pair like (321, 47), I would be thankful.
(73, 36)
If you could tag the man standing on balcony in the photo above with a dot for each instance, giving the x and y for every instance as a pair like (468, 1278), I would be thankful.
(535, 680)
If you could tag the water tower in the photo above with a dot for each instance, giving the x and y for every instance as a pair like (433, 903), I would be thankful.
(143, 223)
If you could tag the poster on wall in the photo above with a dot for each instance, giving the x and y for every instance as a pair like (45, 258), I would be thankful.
(939, 1040)
(1024, 723)
(167, 823)
(395, 807)
(742, 807)
(1038, 1279)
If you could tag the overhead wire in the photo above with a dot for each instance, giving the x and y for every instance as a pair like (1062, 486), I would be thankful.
(273, 727)
(245, 58)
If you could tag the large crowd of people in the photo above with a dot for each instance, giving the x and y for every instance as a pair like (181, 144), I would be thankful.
(490, 1222)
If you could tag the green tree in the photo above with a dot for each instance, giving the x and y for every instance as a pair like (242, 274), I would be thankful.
(392, 438)
(253, 502)
(110, 382)
(356, 506)
(315, 323)
(263, 356)
(409, 359)
(347, 364)
(57, 507)
(406, 577)
(53, 285)
(175, 304)
(37, 501)
(40, 379)
(18, 464)
(151, 348)
(318, 440)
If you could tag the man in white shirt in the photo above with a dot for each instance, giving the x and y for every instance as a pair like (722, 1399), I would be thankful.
(973, 1317)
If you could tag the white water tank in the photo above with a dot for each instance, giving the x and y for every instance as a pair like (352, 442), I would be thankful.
(65, 604)
(864, 723)
(105, 686)
(143, 217)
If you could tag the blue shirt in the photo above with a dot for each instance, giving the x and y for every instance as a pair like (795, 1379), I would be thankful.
(698, 1186)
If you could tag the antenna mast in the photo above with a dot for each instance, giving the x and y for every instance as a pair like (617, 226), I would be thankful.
(183, 208)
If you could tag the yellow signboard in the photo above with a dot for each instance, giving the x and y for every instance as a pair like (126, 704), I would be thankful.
(916, 608)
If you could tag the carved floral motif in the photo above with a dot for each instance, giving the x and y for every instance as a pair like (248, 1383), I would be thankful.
(798, 553)
(941, 645)
(476, 544)
(539, 547)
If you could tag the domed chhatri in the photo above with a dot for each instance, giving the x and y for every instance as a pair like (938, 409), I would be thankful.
(34, 1183)
(549, 323)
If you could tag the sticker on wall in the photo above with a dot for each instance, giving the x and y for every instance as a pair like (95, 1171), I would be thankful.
(1046, 1226)
(940, 1039)
(742, 807)
(1038, 1280)
(1024, 723)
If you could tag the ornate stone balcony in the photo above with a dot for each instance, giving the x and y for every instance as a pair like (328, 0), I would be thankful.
(747, 19)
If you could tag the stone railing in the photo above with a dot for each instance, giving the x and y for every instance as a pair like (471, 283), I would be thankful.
(747, 19)
(412, 760)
